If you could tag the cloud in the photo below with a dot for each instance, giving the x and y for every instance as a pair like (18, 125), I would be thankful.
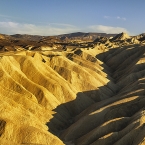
(107, 17)
(121, 18)
(61, 24)
(118, 17)
(107, 29)
(54, 28)
(49, 29)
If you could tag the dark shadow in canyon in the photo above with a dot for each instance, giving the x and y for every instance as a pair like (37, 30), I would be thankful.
(77, 110)
(66, 112)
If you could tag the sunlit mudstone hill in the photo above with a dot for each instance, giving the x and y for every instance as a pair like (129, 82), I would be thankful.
(72, 92)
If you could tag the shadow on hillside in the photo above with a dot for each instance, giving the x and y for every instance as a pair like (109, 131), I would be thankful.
(60, 122)
(65, 113)
(115, 56)
(121, 61)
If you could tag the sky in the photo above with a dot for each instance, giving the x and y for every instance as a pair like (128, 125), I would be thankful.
(54, 17)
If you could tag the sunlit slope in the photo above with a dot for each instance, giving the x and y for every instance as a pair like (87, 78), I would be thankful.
(33, 84)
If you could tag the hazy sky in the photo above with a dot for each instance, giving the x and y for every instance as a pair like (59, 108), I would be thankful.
(52, 17)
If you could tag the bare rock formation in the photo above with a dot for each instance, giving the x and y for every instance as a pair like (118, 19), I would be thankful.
(88, 94)
(121, 36)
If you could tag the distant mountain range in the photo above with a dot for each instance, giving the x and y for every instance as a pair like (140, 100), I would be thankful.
(70, 36)
(84, 36)
(71, 40)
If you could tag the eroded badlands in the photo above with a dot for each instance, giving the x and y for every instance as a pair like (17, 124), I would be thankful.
(80, 94)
